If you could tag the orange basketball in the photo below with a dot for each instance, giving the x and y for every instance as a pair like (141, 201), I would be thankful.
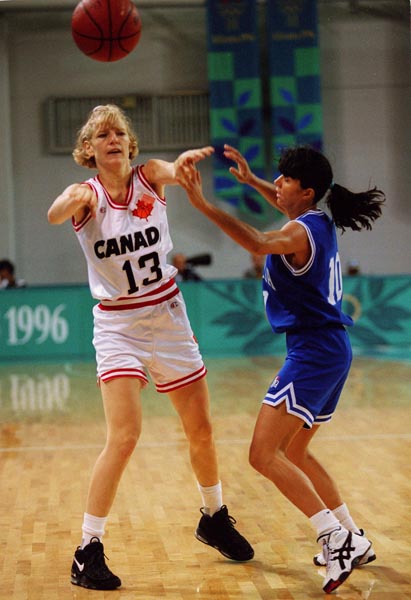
(106, 30)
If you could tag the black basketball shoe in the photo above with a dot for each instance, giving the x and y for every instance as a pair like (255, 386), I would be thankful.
(89, 568)
(219, 532)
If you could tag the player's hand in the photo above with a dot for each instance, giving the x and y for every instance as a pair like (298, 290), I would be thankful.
(83, 196)
(193, 156)
(188, 176)
(190, 179)
(76, 201)
(243, 172)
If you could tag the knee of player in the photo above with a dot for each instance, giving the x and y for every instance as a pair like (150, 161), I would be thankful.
(257, 459)
(124, 443)
(201, 434)
(265, 460)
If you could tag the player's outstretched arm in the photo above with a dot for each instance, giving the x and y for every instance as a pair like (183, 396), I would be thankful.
(76, 201)
(286, 240)
(160, 172)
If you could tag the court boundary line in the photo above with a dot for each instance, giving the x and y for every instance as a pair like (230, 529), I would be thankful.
(222, 442)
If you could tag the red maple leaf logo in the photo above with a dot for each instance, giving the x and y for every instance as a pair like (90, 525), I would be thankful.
(144, 207)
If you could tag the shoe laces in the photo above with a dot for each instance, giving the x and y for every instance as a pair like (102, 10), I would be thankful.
(341, 553)
(97, 562)
(221, 516)
(227, 518)
(225, 525)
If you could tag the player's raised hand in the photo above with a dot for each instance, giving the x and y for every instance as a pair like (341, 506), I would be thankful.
(190, 179)
(243, 172)
(187, 175)
(193, 156)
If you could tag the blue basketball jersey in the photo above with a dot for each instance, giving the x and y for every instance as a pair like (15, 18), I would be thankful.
(311, 296)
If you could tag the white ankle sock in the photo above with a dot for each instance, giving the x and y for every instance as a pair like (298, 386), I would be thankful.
(324, 522)
(343, 515)
(212, 497)
(92, 527)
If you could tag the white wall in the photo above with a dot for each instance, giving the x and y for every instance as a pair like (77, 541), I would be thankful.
(367, 121)
(366, 96)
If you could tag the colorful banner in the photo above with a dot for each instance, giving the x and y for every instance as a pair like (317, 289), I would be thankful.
(236, 99)
(43, 323)
(295, 85)
(227, 317)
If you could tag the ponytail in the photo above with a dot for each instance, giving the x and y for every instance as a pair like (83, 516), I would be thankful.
(354, 210)
(313, 170)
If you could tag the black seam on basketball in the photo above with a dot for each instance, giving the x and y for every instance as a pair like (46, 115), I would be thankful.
(94, 51)
(108, 46)
(86, 36)
(110, 23)
(96, 23)
(125, 20)
(126, 37)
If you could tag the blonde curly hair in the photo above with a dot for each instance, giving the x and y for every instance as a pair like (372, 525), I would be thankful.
(110, 115)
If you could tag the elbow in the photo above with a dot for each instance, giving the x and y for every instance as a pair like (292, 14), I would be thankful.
(52, 218)
(259, 250)
(258, 246)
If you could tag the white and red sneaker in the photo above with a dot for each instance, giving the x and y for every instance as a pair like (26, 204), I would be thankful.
(369, 556)
(342, 551)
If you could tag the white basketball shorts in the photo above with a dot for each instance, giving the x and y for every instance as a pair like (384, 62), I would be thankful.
(157, 339)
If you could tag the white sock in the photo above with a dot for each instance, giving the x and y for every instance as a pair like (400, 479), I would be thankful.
(324, 522)
(212, 497)
(92, 527)
(343, 515)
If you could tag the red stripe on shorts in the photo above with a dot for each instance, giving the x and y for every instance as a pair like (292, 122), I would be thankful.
(179, 383)
(114, 373)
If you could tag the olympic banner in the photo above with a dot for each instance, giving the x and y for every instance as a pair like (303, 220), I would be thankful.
(227, 316)
(46, 323)
(236, 98)
(294, 81)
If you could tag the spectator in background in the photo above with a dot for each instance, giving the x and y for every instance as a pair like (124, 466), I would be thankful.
(353, 268)
(255, 271)
(185, 270)
(8, 279)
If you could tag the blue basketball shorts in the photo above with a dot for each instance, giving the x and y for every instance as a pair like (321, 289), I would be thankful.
(313, 374)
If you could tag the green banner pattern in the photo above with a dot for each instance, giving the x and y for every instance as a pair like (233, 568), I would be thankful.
(236, 99)
(295, 84)
(231, 318)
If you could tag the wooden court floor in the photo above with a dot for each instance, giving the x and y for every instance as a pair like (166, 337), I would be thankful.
(52, 428)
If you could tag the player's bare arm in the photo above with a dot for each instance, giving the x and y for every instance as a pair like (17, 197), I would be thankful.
(243, 174)
(160, 172)
(75, 201)
(291, 239)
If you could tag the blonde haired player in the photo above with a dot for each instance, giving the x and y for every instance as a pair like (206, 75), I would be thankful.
(140, 326)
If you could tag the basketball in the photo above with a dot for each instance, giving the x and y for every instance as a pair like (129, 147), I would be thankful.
(106, 30)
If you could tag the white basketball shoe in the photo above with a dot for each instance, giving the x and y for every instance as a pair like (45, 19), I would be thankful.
(342, 550)
(369, 556)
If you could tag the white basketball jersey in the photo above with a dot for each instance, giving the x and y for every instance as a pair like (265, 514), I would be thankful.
(126, 245)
